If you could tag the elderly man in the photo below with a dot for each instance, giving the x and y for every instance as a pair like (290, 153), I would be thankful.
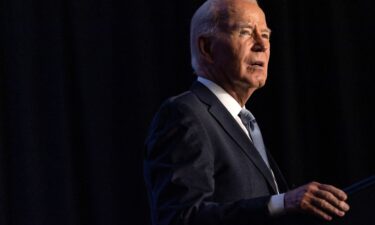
(205, 161)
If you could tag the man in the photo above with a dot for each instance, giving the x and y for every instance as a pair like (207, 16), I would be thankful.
(205, 161)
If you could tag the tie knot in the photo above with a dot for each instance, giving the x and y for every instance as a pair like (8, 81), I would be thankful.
(246, 117)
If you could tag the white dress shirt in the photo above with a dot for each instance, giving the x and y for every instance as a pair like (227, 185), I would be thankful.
(276, 204)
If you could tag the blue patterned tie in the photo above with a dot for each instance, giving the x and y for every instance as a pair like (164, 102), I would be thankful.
(256, 137)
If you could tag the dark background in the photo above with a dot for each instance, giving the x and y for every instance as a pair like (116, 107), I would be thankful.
(81, 79)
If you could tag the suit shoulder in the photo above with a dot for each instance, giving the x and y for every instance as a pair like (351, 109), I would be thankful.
(180, 113)
(184, 101)
(186, 98)
(184, 109)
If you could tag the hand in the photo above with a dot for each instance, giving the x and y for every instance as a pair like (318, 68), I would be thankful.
(317, 199)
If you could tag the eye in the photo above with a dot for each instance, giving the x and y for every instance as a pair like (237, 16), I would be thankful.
(266, 36)
(246, 32)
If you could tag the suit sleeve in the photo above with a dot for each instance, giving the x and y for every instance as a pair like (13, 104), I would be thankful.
(179, 175)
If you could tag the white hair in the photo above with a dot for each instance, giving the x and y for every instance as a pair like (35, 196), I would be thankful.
(205, 23)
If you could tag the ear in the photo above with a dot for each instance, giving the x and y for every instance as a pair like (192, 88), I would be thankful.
(205, 48)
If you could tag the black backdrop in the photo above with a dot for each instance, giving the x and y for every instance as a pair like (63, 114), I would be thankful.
(80, 81)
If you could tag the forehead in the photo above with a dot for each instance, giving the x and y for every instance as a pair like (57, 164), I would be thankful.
(244, 13)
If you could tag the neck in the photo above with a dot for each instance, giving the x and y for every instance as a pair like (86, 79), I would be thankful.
(240, 92)
(241, 95)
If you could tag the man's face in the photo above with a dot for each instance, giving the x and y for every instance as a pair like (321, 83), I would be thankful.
(241, 50)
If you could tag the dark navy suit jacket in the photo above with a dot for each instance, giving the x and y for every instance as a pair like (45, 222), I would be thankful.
(201, 168)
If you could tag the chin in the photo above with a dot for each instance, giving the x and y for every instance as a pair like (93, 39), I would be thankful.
(255, 79)
(259, 81)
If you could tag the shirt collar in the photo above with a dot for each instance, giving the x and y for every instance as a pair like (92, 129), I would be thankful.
(226, 99)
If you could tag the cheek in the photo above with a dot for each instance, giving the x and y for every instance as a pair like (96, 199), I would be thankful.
(241, 57)
(268, 53)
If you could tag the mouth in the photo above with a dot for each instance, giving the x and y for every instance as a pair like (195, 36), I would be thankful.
(256, 64)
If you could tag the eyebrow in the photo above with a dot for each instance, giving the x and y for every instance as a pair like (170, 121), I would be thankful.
(246, 25)
(267, 30)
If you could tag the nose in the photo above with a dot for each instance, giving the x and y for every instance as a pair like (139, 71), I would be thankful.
(260, 44)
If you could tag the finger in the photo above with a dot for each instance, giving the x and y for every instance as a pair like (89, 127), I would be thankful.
(326, 206)
(335, 191)
(328, 196)
(317, 212)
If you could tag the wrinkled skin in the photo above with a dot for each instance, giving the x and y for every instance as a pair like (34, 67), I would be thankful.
(237, 57)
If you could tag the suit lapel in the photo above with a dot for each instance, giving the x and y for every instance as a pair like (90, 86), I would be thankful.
(281, 182)
(230, 125)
